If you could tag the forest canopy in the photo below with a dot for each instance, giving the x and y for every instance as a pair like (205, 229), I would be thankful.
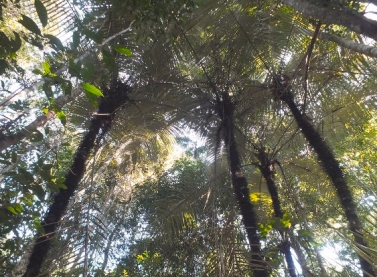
(188, 138)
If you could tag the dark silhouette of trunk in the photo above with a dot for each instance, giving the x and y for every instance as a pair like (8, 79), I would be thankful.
(114, 98)
(239, 182)
(332, 168)
(267, 168)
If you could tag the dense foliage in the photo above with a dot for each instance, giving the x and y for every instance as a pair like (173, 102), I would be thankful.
(188, 138)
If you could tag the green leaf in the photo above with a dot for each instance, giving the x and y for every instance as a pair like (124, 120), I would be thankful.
(4, 45)
(45, 172)
(92, 89)
(38, 226)
(61, 115)
(27, 201)
(29, 24)
(38, 191)
(36, 41)
(24, 176)
(54, 42)
(37, 71)
(96, 37)
(16, 43)
(46, 68)
(36, 136)
(18, 207)
(74, 68)
(11, 209)
(3, 66)
(123, 50)
(41, 11)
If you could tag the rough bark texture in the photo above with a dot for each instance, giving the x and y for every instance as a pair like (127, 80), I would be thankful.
(333, 170)
(348, 18)
(60, 202)
(266, 167)
(114, 99)
(258, 263)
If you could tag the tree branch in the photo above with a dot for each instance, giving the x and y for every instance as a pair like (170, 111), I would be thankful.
(350, 19)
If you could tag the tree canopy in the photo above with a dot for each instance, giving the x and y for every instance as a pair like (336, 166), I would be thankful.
(188, 138)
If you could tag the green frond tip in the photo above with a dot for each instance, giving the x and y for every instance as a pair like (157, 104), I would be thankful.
(41, 11)
(123, 50)
(91, 89)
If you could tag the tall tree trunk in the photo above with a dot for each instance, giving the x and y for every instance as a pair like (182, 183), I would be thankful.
(266, 166)
(60, 202)
(115, 98)
(333, 170)
(336, 14)
(240, 186)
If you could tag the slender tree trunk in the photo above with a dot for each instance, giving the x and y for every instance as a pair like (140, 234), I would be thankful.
(114, 99)
(332, 14)
(9, 140)
(300, 256)
(268, 172)
(333, 170)
(240, 186)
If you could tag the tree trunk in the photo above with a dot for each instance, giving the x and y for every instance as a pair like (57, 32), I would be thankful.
(267, 169)
(333, 170)
(60, 202)
(114, 99)
(348, 18)
(351, 45)
(300, 256)
(240, 186)
(9, 140)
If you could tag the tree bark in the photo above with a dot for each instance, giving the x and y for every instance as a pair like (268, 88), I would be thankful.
(266, 167)
(7, 141)
(348, 18)
(240, 186)
(60, 202)
(115, 98)
(333, 170)
(351, 45)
